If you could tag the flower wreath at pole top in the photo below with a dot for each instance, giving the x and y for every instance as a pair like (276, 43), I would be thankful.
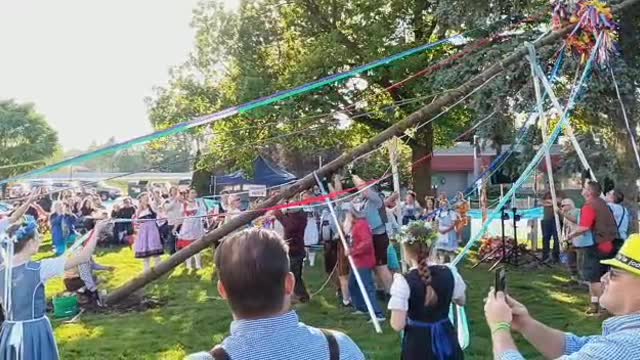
(417, 232)
(592, 17)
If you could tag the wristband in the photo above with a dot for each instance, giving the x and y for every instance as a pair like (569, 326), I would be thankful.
(501, 326)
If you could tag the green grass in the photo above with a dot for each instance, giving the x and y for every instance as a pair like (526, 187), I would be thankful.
(194, 318)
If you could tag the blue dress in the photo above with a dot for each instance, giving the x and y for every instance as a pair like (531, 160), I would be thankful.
(27, 330)
(62, 228)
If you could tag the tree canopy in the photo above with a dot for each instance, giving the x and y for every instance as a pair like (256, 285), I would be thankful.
(25, 138)
(270, 45)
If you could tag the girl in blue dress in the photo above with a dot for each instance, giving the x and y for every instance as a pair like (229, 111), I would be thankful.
(62, 223)
(27, 333)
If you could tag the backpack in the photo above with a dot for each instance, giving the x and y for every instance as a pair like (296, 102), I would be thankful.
(605, 228)
(218, 353)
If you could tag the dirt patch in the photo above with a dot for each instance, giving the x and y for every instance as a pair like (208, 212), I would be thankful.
(133, 303)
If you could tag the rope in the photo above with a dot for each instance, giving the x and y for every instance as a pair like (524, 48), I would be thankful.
(626, 118)
(534, 162)
(244, 108)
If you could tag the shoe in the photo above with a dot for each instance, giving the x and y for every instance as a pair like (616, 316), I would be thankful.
(358, 312)
(347, 305)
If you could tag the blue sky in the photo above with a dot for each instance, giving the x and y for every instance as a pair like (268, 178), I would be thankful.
(87, 65)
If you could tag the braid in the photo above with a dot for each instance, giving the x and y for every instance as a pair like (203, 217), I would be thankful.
(430, 296)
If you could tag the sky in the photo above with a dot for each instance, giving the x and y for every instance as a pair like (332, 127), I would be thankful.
(87, 65)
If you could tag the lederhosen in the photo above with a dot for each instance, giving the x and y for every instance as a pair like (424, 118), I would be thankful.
(218, 353)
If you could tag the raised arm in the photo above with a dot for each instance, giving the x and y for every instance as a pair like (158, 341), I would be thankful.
(20, 211)
(84, 255)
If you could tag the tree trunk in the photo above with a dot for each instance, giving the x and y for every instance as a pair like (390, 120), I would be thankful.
(308, 181)
(421, 156)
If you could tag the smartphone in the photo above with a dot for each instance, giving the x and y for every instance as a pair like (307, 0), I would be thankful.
(501, 280)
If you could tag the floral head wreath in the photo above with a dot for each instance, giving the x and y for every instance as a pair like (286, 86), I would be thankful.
(417, 232)
(27, 229)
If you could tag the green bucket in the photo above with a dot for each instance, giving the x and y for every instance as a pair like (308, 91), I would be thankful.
(65, 307)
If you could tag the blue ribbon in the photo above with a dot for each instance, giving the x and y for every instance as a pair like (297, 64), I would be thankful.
(440, 341)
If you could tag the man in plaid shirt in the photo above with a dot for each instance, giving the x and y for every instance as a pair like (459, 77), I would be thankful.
(620, 337)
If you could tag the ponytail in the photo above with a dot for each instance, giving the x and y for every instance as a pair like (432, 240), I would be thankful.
(430, 296)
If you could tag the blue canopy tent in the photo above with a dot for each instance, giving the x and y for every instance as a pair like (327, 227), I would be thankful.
(265, 173)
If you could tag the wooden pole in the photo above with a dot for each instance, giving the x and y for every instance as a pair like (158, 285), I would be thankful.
(421, 115)
(393, 157)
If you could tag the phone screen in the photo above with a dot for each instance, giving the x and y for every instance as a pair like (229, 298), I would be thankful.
(501, 280)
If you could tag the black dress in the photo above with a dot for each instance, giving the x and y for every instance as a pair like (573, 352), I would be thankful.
(422, 321)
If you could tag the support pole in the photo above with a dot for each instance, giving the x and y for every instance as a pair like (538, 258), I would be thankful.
(420, 116)
(543, 123)
(363, 290)
(393, 157)
(539, 74)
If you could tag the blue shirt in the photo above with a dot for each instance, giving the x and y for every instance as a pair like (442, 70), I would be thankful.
(585, 239)
(283, 338)
(373, 207)
(620, 340)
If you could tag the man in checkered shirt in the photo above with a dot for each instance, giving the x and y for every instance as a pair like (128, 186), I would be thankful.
(620, 339)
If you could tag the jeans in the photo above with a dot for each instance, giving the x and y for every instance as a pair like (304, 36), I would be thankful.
(295, 265)
(357, 299)
(548, 231)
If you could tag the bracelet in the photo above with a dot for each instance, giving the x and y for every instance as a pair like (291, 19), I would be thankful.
(501, 326)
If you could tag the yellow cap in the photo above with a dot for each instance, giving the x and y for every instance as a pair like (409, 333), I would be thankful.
(628, 258)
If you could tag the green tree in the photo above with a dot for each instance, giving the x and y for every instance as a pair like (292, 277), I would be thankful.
(25, 137)
(269, 46)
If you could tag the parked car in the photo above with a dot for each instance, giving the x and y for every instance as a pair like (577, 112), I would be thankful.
(105, 191)
(135, 188)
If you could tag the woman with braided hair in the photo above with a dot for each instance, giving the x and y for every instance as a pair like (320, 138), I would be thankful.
(26, 333)
(420, 299)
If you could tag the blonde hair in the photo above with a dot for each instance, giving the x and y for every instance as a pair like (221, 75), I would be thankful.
(421, 252)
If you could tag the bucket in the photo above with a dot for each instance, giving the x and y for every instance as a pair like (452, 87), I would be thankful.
(65, 307)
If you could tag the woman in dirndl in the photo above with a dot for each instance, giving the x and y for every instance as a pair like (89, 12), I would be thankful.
(148, 244)
(192, 227)
(26, 332)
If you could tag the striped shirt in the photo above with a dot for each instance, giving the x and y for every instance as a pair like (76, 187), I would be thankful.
(283, 338)
(620, 340)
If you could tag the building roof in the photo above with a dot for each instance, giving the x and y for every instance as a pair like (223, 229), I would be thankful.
(460, 157)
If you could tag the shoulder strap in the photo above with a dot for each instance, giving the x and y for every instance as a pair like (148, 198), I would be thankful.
(334, 349)
(218, 353)
(624, 213)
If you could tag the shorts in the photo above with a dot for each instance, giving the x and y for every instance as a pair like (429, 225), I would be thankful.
(342, 261)
(330, 256)
(588, 261)
(380, 246)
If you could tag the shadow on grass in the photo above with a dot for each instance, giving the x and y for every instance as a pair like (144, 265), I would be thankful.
(195, 319)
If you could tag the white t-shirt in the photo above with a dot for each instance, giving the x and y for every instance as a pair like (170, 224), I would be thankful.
(400, 290)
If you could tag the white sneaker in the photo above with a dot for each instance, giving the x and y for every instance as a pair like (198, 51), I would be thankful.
(380, 319)
(358, 312)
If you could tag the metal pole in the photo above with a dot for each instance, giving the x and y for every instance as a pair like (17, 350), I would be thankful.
(556, 104)
(543, 124)
(363, 290)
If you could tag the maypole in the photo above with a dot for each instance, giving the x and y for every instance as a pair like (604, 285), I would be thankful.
(308, 181)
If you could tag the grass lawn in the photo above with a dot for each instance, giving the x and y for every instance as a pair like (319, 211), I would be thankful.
(195, 319)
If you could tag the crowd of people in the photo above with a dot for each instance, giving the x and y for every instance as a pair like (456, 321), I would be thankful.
(261, 269)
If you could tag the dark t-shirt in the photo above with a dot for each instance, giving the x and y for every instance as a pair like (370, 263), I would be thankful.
(126, 213)
(294, 224)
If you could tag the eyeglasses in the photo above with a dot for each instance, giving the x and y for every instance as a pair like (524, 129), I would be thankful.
(614, 273)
